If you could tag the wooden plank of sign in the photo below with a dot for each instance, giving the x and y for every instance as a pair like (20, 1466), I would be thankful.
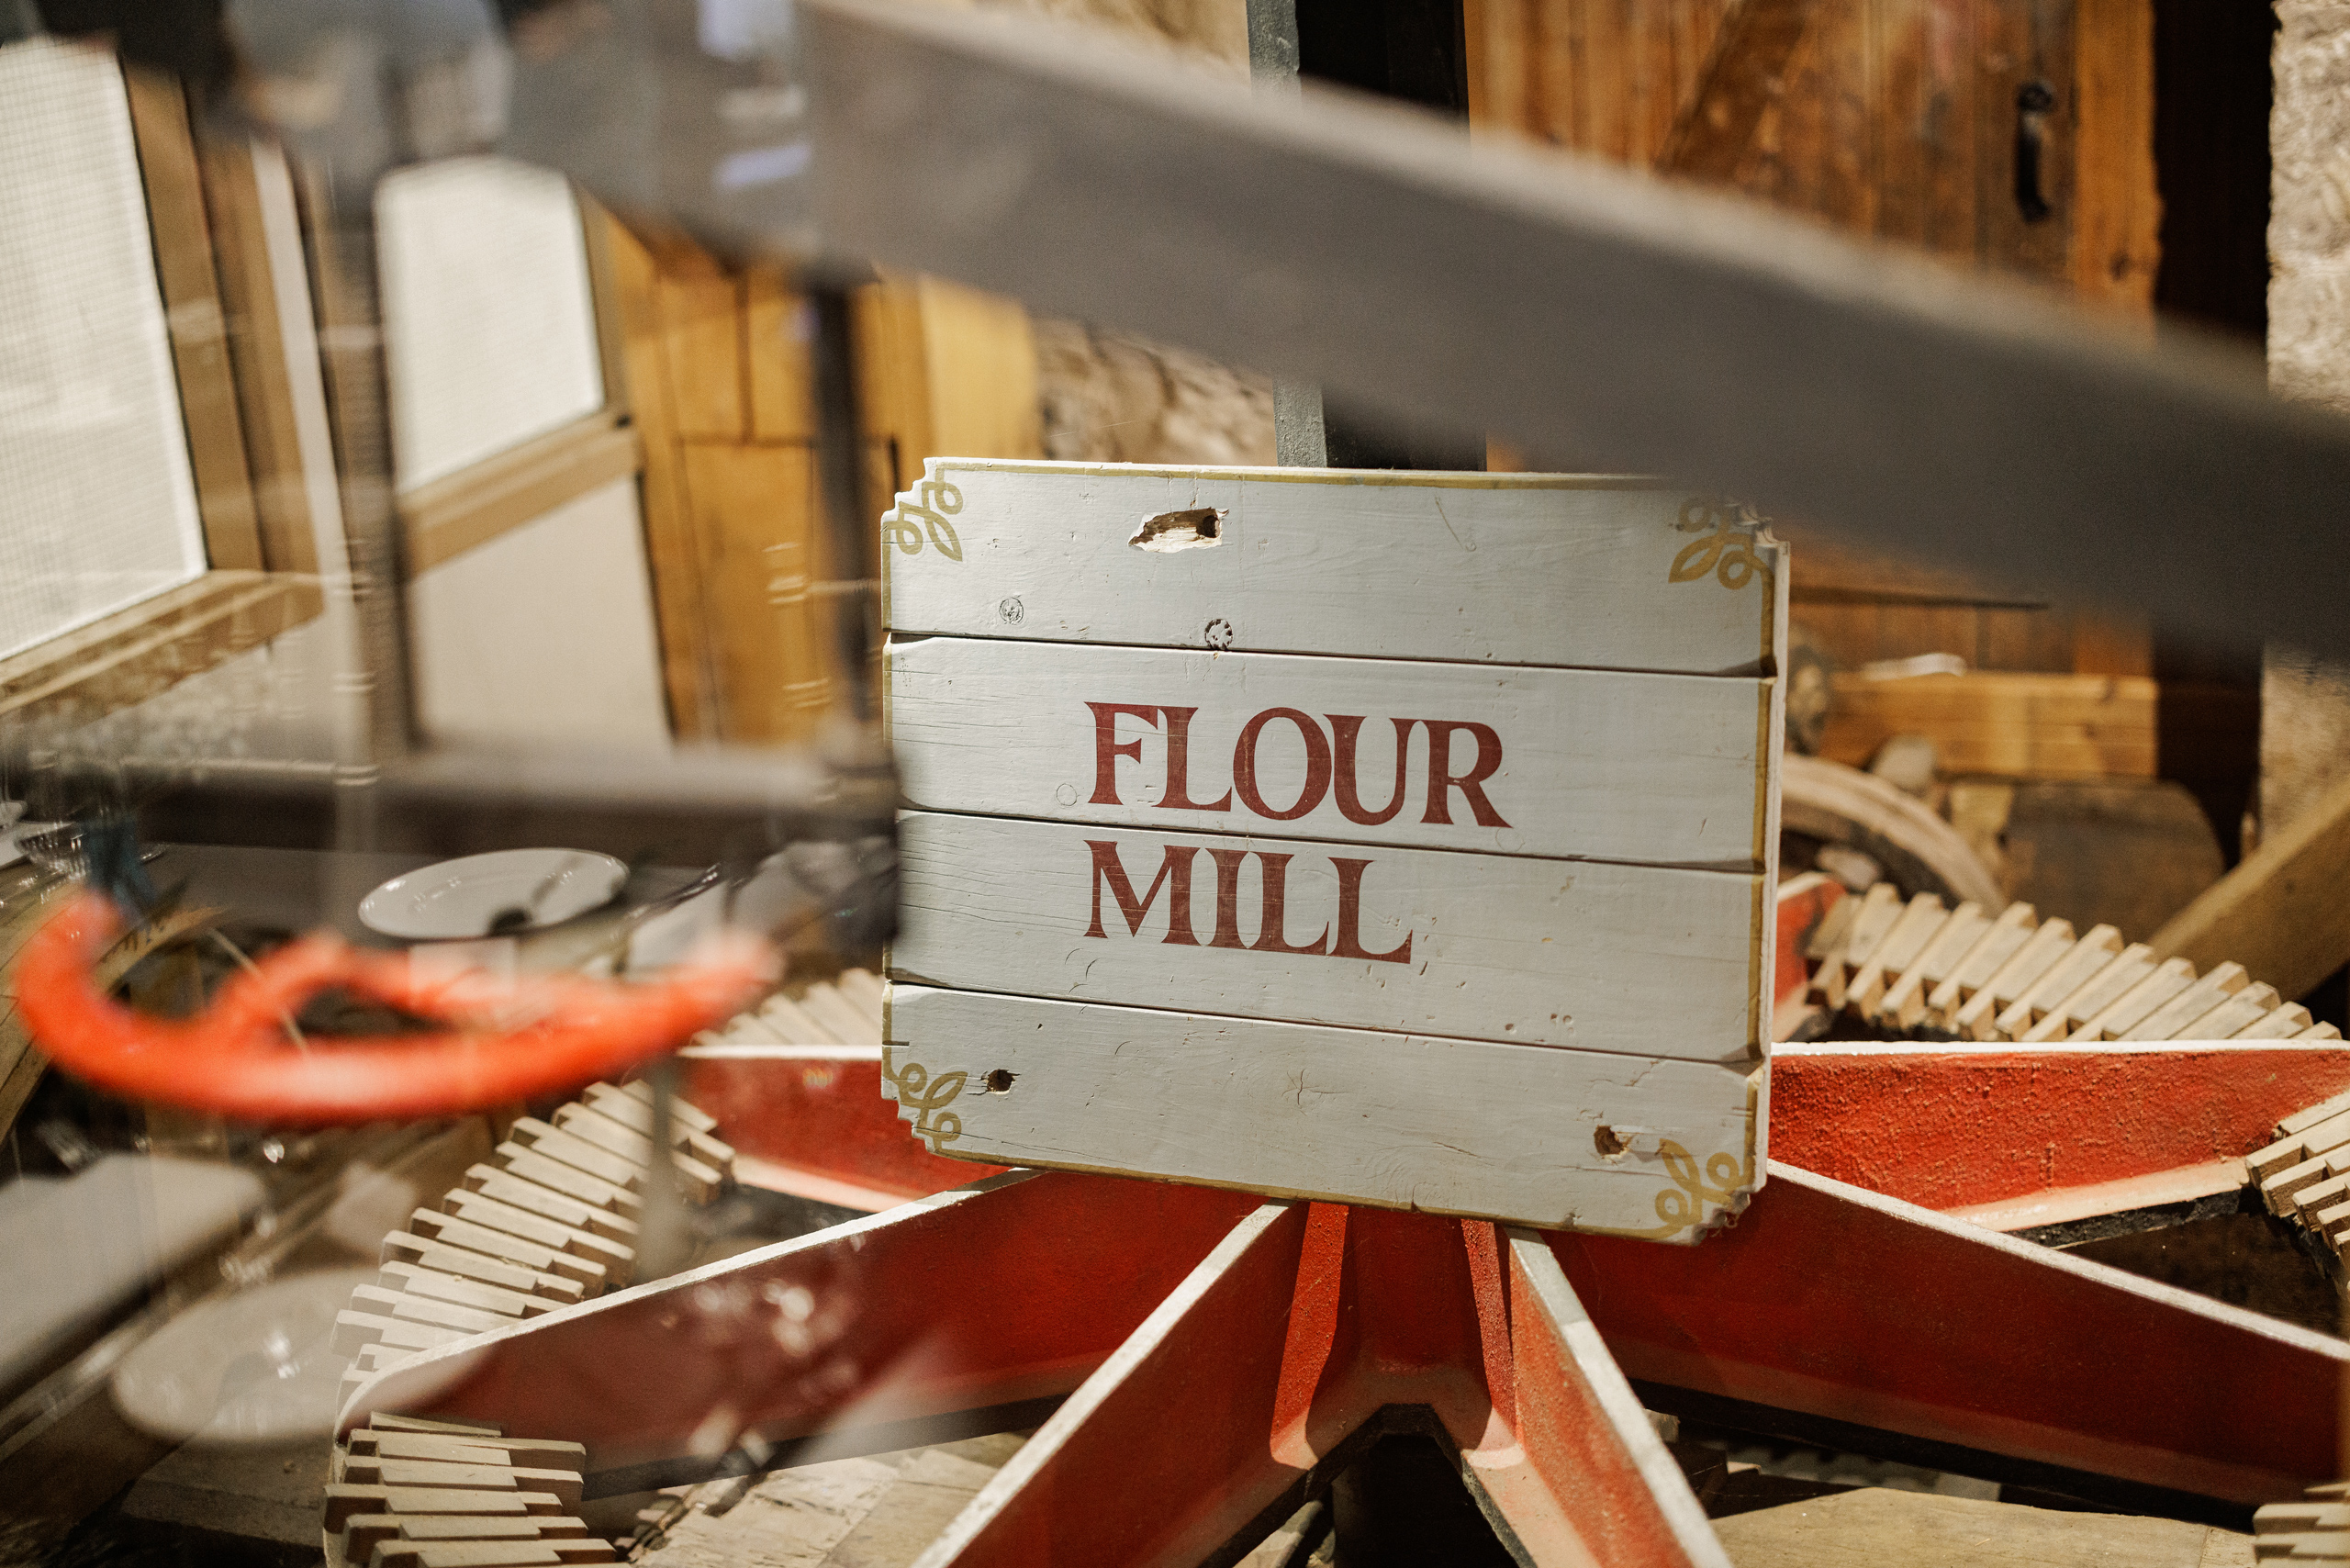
(1508, 569)
(1551, 1138)
(1662, 769)
(1642, 961)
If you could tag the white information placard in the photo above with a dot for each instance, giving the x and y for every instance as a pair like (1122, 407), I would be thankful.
(1396, 838)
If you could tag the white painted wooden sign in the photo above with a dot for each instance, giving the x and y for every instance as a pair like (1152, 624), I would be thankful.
(1387, 837)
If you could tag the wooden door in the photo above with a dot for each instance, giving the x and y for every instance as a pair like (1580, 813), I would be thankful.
(748, 586)
(2011, 134)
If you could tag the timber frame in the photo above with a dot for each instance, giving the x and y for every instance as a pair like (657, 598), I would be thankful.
(213, 274)
(461, 511)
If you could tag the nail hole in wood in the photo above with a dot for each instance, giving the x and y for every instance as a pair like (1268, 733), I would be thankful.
(1607, 1143)
(999, 1081)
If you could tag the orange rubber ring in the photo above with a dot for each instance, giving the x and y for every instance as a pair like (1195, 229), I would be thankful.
(546, 1033)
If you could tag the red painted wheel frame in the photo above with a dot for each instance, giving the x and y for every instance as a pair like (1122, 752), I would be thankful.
(1213, 1356)
(527, 1036)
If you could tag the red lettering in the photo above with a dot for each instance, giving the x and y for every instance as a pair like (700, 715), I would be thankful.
(1174, 874)
(1227, 897)
(1106, 752)
(1442, 781)
(1179, 766)
(1272, 935)
(1344, 729)
(1317, 764)
(1351, 915)
(1274, 871)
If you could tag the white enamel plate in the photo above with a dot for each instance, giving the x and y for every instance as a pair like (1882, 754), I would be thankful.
(459, 898)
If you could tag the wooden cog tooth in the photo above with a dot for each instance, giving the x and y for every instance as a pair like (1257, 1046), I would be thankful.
(546, 1226)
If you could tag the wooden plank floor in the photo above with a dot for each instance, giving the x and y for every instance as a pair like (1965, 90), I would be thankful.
(879, 1511)
(1879, 1528)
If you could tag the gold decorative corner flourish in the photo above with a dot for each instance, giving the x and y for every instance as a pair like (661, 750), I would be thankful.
(1727, 553)
(1682, 1206)
(923, 1100)
(933, 501)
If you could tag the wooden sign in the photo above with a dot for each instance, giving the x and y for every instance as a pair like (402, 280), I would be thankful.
(1393, 838)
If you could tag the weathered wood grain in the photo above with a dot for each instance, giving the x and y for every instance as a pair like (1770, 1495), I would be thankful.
(2019, 727)
(1372, 564)
(1581, 1139)
(1642, 961)
(1584, 763)
(1381, 838)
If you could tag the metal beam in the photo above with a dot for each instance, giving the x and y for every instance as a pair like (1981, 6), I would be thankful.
(1597, 318)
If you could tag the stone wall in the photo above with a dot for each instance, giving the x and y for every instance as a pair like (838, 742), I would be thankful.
(2308, 221)
(1110, 397)
(2305, 703)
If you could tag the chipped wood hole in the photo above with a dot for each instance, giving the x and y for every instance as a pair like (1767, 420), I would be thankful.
(1197, 528)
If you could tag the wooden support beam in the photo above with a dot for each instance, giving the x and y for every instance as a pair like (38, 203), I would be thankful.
(1743, 75)
(2280, 913)
(473, 506)
(2016, 726)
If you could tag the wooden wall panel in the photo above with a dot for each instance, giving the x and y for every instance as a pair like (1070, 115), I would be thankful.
(1943, 127)
(256, 344)
(776, 337)
(720, 381)
(702, 315)
(1893, 119)
(670, 549)
(168, 169)
(751, 509)
(2115, 243)
(942, 371)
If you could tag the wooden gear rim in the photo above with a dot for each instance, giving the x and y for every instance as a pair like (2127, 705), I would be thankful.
(233, 1059)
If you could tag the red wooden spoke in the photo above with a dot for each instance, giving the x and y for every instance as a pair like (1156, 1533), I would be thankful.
(1008, 1290)
(1216, 1368)
(1298, 1329)
(2014, 1135)
(533, 1036)
(1231, 1368)
(816, 1125)
(1186, 1413)
(1840, 1302)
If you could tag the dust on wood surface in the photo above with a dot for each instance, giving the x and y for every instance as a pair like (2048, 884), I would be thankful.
(879, 1511)
(1878, 1525)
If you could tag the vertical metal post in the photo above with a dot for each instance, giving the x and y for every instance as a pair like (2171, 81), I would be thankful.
(348, 303)
(856, 624)
(1272, 66)
(1415, 51)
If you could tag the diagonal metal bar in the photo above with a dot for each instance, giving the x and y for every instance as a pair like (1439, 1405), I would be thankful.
(1597, 318)
(1837, 1303)
(873, 1335)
